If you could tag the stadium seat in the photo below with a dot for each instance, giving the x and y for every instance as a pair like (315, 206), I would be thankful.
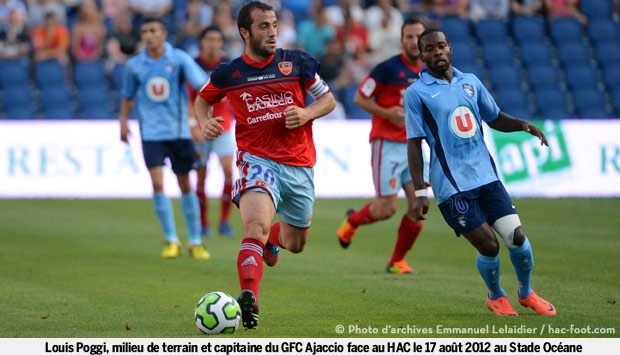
(456, 28)
(511, 99)
(352, 110)
(491, 30)
(611, 77)
(596, 9)
(49, 73)
(464, 52)
(473, 68)
(542, 76)
(18, 102)
(505, 75)
(573, 53)
(94, 103)
(607, 53)
(57, 102)
(88, 74)
(117, 76)
(535, 53)
(13, 73)
(497, 53)
(555, 113)
(589, 103)
(528, 28)
(603, 30)
(566, 29)
(581, 76)
(549, 98)
(614, 96)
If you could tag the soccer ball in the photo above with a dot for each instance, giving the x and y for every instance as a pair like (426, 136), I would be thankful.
(217, 313)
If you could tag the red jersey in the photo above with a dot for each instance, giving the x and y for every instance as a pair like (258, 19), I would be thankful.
(387, 82)
(259, 93)
(222, 108)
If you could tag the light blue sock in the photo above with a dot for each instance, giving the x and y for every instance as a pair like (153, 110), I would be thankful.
(165, 215)
(191, 210)
(523, 260)
(489, 270)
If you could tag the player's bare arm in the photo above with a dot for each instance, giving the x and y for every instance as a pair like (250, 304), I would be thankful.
(296, 116)
(211, 127)
(395, 114)
(416, 168)
(507, 123)
(125, 110)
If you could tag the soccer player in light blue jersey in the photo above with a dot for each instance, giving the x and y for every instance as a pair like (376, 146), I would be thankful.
(155, 80)
(446, 107)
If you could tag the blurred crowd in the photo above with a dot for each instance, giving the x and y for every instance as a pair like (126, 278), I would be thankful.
(348, 36)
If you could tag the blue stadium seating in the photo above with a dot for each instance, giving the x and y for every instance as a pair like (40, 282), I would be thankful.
(512, 99)
(116, 77)
(94, 103)
(614, 96)
(566, 29)
(505, 75)
(13, 73)
(603, 30)
(18, 102)
(49, 73)
(611, 77)
(551, 103)
(89, 74)
(57, 102)
(492, 30)
(543, 76)
(596, 9)
(590, 103)
(573, 53)
(608, 53)
(59, 113)
(528, 28)
(473, 68)
(22, 112)
(456, 28)
(463, 52)
(498, 53)
(581, 76)
(535, 53)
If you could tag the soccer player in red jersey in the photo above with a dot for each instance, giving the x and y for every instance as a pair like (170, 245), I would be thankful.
(381, 94)
(267, 89)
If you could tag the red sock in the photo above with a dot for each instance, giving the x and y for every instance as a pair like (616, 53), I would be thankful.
(204, 208)
(361, 217)
(226, 200)
(250, 265)
(274, 235)
(408, 232)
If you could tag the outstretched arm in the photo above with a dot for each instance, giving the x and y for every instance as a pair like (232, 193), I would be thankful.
(507, 123)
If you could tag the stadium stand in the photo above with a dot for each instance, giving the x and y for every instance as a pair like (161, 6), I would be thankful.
(548, 64)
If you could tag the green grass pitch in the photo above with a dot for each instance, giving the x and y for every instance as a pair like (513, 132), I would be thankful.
(91, 269)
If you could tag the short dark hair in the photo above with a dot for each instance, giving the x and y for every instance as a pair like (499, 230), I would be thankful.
(428, 32)
(154, 20)
(410, 21)
(244, 17)
(208, 29)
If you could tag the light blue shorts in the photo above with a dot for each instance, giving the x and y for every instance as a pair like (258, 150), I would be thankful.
(390, 167)
(291, 188)
(222, 146)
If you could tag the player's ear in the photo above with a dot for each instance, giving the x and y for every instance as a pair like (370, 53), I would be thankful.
(245, 34)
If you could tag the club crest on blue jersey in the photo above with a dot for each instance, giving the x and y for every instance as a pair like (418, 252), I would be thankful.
(157, 89)
(469, 89)
(285, 67)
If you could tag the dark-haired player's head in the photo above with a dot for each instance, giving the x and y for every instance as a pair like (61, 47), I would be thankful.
(435, 51)
(153, 33)
(409, 33)
(211, 42)
(258, 26)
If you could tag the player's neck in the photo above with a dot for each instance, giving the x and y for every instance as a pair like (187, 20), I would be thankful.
(156, 53)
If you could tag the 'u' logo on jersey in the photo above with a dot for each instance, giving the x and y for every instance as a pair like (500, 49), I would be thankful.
(463, 123)
(158, 89)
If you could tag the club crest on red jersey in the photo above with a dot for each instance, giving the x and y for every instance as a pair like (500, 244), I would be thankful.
(285, 67)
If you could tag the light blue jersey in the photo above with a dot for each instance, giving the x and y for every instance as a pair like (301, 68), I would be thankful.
(448, 116)
(158, 87)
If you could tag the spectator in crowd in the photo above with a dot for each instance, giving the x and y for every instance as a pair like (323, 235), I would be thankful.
(38, 9)
(287, 31)
(526, 7)
(224, 19)
(488, 9)
(111, 9)
(88, 34)
(161, 9)
(15, 42)
(458, 8)
(51, 40)
(314, 34)
(6, 6)
(196, 17)
(564, 8)
(386, 21)
(122, 41)
(336, 14)
(353, 33)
